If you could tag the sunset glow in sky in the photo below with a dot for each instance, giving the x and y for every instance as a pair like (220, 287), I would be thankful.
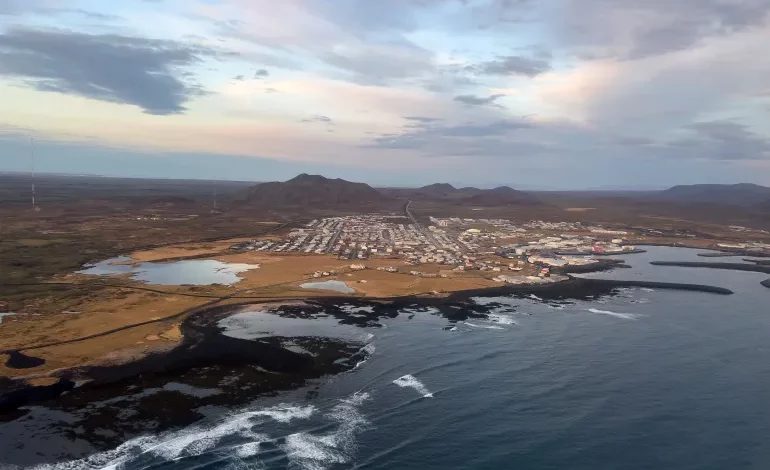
(529, 93)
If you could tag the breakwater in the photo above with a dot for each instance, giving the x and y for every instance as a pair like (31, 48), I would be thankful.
(728, 266)
(760, 267)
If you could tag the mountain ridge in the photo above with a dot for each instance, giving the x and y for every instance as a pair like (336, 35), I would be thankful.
(313, 191)
(740, 194)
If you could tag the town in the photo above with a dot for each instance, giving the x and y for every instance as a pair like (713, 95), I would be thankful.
(493, 245)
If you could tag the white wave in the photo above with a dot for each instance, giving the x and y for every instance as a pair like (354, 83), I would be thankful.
(369, 349)
(353, 309)
(494, 300)
(285, 413)
(647, 289)
(317, 452)
(486, 327)
(411, 381)
(188, 442)
(305, 451)
(501, 319)
(625, 316)
(534, 297)
(249, 449)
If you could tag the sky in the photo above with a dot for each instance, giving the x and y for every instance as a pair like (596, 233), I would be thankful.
(548, 94)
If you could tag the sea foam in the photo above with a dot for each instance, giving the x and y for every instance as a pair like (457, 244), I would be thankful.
(317, 452)
(625, 316)
(304, 450)
(285, 413)
(410, 381)
(501, 319)
(486, 327)
(190, 442)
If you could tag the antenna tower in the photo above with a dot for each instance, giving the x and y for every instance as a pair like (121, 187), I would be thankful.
(35, 208)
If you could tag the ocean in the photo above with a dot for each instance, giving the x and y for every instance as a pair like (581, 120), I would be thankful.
(639, 379)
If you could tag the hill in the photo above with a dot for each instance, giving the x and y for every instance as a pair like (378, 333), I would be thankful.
(444, 192)
(437, 189)
(313, 191)
(743, 194)
(501, 196)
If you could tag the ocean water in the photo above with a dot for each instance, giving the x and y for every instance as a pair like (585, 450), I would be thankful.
(642, 379)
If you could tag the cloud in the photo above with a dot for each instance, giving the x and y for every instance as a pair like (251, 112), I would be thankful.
(15, 7)
(632, 29)
(633, 141)
(330, 34)
(319, 118)
(92, 15)
(473, 100)
(48, 8)
(422, 119)
(724, 140)
(513, 65)
(427, 135)
(130, 70)
(625, 85)
(722, 77)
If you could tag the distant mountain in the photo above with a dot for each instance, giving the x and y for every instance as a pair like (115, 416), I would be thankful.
(313, 191)
(469, 191)
(501, 196)
(431, 191)
(743, 194)
(438, 189)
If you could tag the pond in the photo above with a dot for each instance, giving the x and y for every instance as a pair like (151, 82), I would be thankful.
(187, 272)
(337, 286)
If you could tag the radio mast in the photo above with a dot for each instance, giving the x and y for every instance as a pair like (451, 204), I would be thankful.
(215, 197)
(32, 157)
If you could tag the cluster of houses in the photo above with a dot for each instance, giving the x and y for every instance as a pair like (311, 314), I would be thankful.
(463, 244)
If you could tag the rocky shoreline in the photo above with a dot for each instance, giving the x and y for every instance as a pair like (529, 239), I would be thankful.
(210, 369)
(205, 346)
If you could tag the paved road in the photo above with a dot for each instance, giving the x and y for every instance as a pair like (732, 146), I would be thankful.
(409, 214)
(427, 233)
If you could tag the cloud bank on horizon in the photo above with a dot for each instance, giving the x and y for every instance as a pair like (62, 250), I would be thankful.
(550, 93)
